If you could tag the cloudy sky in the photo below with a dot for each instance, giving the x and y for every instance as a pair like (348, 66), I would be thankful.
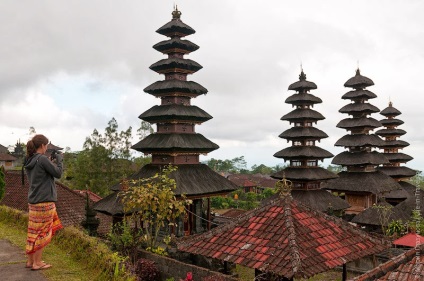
(68, 67)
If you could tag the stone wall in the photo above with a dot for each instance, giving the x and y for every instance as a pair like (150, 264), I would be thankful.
(173, 268)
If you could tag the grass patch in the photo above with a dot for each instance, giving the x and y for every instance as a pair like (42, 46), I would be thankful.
(74, 255)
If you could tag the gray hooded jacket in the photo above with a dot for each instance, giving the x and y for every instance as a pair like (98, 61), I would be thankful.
(41, 173)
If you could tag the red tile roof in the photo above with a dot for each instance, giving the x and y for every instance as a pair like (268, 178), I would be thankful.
(285, 238)
(408, 266)
(246, 180)
(7, 157)
(70, 205)
(409, 240)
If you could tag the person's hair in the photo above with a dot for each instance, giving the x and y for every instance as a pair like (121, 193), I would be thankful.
(35, 143)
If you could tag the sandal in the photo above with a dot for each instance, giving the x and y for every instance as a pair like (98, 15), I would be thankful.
(44, 266)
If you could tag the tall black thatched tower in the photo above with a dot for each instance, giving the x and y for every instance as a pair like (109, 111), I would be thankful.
(304, 156)
(361, 182)
(175, 140)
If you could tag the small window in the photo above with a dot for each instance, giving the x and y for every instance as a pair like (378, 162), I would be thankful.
(310, 143)
(297, 143)
(296, 163)
(312, 163)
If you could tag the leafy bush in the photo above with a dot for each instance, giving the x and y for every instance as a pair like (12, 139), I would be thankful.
(396, 227)
(146, 270)
(125, 239)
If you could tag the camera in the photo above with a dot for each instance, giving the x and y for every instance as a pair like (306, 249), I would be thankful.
(53, 154)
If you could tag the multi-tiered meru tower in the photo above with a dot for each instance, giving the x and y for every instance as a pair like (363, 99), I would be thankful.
(303, 154)
(175, 140)
(361, 183)
(403, 199)
(392, 145)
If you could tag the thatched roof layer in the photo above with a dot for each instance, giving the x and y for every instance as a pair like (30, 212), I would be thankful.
(174, 112)
(395, 143)
(175, 43)
(320, 199)
(304, 174)
(110, 205)
(390, 111)
(175, 27)
(303, 152)
(390, 132)
(358, 81)
(353, 108)
(286, 238)
(398, 171)
(161, 88)
(398, 157)
(303, 133)
(391, 122)
(358, 95)
(361, 122)
(192, 180)
(300, 114)
(370, 216)
(302, 85)
(373, 182)
(397, 194)
(303, 98)
(175, 142)
(172, 63)
(360, 140)
(359, 158)
(402, 211)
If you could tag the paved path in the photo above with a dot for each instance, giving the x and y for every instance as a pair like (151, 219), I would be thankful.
(12, 264)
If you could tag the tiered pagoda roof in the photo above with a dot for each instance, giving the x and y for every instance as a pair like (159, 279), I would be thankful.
(360, 160)
(303, 155)
(404, 199)
(391, 133)
(175, 140)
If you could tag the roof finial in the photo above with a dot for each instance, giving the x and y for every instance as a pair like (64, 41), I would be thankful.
(302, 76)
(283, 186)
(390, 102)
(176, 14)
(358, 72)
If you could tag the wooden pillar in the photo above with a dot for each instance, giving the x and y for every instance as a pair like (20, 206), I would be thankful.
(209, 213)
(344, 275)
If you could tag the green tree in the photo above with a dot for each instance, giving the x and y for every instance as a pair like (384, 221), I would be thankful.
(104, 161)
(418, 180)
(262, 169)
(153, 203)
(335, 168)
(144, 130)
(234, 165)
(2, 183)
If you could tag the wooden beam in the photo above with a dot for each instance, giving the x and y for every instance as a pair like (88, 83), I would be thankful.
(344, 275)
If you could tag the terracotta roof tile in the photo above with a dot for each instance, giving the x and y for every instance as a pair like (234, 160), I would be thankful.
(286, 238)
(70, 205)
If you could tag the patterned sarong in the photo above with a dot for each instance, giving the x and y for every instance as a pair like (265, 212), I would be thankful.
(42, 225)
